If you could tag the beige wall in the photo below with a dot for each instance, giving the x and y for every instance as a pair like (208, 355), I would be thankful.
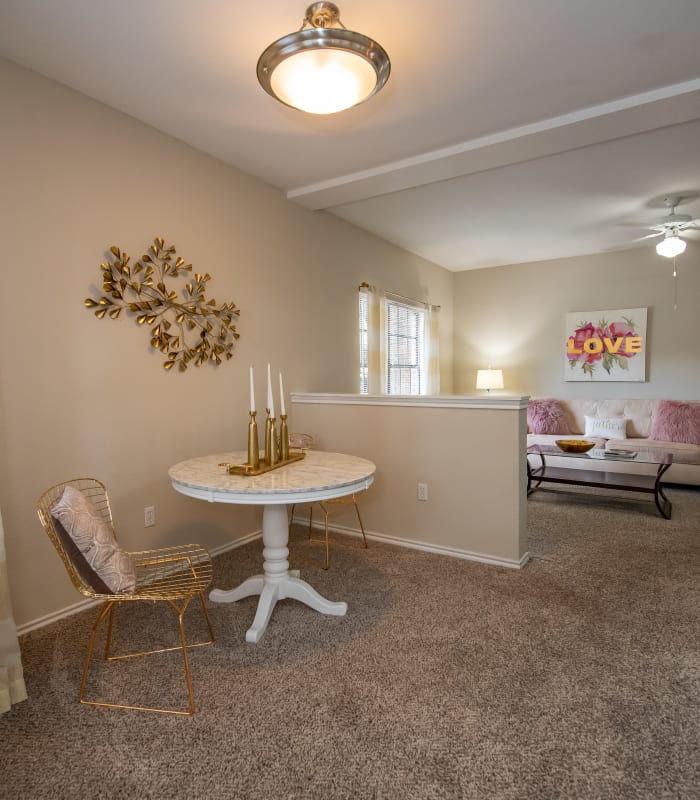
(80, 396)
(513, 318)
(470, 452)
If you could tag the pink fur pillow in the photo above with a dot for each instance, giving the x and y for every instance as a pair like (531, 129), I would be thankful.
(545, 415)
(675, 421)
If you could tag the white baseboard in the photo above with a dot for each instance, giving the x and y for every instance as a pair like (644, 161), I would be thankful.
(427, 547)
(411, 544)
(54, 616)
(81, 605)
(224, 548)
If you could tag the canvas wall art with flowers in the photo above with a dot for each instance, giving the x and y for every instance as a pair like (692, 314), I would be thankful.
(606, 345)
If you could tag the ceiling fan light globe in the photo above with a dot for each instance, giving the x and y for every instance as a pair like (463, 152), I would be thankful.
(670, 246)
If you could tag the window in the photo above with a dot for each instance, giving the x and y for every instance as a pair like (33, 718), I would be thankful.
(404, 333)
(400, 352)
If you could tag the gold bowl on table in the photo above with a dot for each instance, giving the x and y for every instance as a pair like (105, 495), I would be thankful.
(574, 445)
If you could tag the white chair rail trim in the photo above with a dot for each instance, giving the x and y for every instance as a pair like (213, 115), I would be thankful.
(494, 403)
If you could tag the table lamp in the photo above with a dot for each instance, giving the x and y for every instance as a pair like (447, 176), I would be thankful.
(489, 379)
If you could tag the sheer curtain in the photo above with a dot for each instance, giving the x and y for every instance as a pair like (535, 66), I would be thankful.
(376, 336)
(432, 349)
(12, 688)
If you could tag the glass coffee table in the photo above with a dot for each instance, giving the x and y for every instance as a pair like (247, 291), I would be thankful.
(602, 479)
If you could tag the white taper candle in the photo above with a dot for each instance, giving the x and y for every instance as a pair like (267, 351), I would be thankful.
(282, 411)
(252, 392)
(270, 402)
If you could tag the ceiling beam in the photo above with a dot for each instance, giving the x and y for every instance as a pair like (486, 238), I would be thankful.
(660, 108)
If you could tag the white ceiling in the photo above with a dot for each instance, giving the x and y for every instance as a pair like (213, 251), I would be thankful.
(509, 131)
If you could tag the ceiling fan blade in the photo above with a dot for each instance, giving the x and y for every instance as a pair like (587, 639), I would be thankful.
(648, 236)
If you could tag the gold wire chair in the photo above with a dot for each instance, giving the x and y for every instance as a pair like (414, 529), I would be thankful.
(175, 575)
(305, 441)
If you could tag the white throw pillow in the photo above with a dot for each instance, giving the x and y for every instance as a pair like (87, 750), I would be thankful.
(95, 540)
(606, 427)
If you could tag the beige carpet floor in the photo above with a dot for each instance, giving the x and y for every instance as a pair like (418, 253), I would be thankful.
(576, 677)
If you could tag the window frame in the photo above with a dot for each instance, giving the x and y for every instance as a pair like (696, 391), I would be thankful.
(394, 343)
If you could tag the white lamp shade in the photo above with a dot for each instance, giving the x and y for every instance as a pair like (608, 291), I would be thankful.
(670, 246)
(489, 379)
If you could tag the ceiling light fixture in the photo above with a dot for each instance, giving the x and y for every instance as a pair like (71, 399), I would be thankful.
(671, 245)
(323, 68)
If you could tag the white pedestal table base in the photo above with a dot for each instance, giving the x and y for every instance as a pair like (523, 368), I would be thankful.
(278, 582)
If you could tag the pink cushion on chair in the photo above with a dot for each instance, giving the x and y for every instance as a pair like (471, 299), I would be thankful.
(675, 421)
(545, 415)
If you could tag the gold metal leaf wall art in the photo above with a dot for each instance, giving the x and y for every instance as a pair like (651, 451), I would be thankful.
(190, 329)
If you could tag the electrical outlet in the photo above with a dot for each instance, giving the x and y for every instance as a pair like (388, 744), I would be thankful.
(422, 491)
(149, 516)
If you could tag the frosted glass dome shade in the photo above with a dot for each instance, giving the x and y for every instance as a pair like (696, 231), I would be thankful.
(323, 81)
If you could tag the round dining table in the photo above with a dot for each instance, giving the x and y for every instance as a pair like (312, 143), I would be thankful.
(318, 476)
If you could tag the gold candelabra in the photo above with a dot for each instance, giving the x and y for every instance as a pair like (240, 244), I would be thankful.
(284, 438)
(253, 446)
(276, 453)
(271, 449)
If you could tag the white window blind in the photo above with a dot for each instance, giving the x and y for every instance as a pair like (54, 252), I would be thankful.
(405, 326)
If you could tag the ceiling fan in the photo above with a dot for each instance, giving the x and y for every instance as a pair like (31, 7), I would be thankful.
(671, 227)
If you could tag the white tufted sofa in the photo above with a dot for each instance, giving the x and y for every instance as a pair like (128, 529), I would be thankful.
(639, 414)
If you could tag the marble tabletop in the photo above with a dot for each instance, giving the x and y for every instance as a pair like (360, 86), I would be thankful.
(318, 476)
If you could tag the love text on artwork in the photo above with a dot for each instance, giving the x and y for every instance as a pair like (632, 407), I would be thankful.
(626, 344)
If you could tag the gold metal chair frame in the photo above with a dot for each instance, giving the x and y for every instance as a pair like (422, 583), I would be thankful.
(328, 507)
(174, 575)
(305, 441)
